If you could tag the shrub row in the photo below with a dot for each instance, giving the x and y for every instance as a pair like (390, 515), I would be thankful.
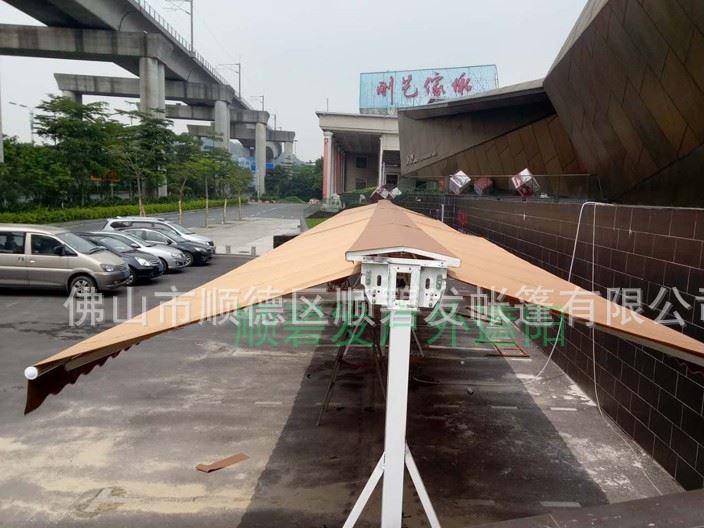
(52, 216)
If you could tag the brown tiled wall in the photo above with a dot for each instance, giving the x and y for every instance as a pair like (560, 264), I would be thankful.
(629, 88)
(542, 146)
(656, 399)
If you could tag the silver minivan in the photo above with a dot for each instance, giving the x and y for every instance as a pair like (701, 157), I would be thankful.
(50, 257)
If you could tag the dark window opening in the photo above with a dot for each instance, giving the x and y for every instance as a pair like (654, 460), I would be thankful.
(403, 286)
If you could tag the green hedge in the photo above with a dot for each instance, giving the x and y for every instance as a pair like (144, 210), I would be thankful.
(312, 222)
(278, 199)
(52, 216)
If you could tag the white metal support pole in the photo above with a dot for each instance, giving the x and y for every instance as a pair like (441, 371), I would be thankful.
(365, 495)
(383, 287)
(420, 489)
(396, 407)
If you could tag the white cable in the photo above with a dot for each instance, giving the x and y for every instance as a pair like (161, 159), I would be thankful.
(569, 276)
(596, 393)
(554, 346)
(537, 376)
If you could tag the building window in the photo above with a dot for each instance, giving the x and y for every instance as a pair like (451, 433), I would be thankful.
(392, 179)
(361, 162)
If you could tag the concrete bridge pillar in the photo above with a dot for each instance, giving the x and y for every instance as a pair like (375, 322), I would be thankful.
(152, 96)
(152, 85)
(74, 96)
(288, 151)
(222, 123)
(260, 157)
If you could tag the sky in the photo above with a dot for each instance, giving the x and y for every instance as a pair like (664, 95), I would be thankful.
(306, 55)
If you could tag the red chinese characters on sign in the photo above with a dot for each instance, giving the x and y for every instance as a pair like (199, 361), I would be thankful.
(433, 85)
(462, 84)
(406, 87)
(386, 88)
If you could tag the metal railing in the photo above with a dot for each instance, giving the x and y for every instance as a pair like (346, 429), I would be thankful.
(153, 15)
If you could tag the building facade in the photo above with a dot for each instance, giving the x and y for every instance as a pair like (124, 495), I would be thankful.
(623, 103)
(362, 150)
(619, 118)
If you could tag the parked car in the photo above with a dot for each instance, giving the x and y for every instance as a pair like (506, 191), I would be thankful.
(179, 238)
(196, 253)
(150, 222)
(173, 259)
(51, 257)
(143, 266)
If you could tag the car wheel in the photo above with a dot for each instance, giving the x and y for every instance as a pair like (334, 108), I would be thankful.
(166, 265)
(82, 284)
(189, 258)
(132, 278)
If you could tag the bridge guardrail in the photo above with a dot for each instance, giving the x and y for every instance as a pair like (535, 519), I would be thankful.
(151, 13)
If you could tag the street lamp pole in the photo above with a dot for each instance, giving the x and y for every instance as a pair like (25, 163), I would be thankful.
(189, 12)
(261, 97)
(30, 109)
(239, 78)
(236, 67)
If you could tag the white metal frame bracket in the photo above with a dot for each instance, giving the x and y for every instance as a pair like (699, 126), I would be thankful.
(371, 484)
(401, 285)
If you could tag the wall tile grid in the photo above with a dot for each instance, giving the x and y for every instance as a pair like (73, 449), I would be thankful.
(629, 92)
(656, 399)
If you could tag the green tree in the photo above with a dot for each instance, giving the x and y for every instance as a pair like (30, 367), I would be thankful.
(220, 169)
(144, 150)
(82, 135)
(303, 181)
(33, 174)
(186, 149)
(236, 181)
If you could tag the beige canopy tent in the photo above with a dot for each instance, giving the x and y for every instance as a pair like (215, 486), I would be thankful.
(321, 255)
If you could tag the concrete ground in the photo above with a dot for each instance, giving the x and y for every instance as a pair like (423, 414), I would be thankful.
(119, 448)
(253, 231)
(196, 218)
(252, 235)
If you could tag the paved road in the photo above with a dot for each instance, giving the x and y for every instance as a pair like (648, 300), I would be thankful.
(119, 447)
(197, 218)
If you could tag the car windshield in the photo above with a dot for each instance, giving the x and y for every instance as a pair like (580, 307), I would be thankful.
(179, 228)
(173, 236)
(129, 239)
(114, 245)
(132, 238)
(78, 243)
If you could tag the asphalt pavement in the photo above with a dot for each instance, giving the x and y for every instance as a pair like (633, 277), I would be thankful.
(119, 448)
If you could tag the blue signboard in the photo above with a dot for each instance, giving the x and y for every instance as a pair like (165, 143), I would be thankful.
(249, 162)
(384, 92)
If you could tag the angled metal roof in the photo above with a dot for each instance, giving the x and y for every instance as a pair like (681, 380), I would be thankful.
(516, 94)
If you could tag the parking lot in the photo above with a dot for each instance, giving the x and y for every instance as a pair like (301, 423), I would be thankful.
(196, 218)
(119, 448)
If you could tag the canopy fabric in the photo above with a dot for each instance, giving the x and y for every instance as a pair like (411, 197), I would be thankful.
(319, 256)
